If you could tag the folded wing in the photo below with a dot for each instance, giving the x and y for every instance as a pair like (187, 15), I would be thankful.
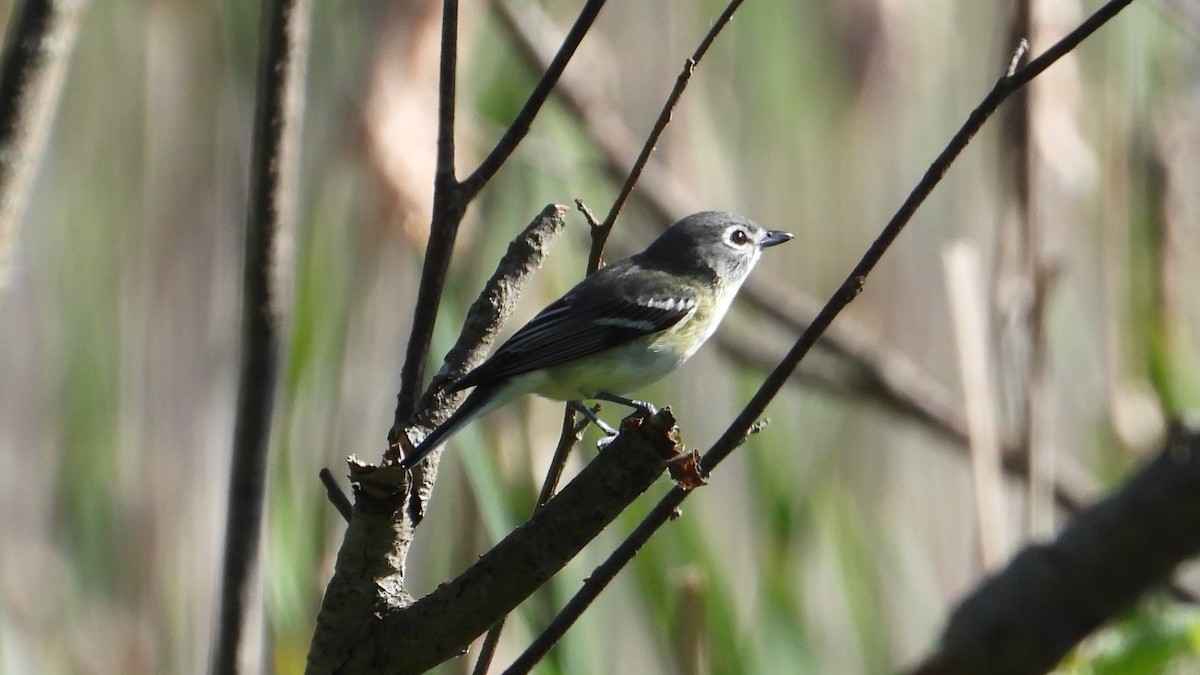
(583, 323)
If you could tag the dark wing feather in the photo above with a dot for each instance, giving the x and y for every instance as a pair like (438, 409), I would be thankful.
(590, 318)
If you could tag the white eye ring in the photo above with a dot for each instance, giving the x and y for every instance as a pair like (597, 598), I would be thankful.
(739, 237)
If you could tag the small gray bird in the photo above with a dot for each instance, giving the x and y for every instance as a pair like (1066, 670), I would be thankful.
(621, 328)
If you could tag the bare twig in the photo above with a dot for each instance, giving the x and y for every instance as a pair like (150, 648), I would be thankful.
(520, 125)
(600, 234)
(487, 651)
(40, 37)
(443, 231)
(850, 288)
(336, 497)
(588, 215)
(1020, 51)
(571, 434)
(277, 117)
(530, 27)
(1004, 87)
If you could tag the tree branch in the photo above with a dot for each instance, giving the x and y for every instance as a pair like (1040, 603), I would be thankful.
(277, 122)
(537, 98)
(1049, 597)
(483, 322)
(600, 234)
(448, 211)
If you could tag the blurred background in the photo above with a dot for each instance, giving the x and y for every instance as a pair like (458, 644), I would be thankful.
(835, 541)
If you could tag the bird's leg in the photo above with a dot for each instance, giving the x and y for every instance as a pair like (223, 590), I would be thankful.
(582, 409)
(643, 406)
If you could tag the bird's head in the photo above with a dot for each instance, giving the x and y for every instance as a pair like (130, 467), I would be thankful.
(716, 244)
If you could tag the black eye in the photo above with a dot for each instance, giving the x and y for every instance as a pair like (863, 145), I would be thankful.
(739, 237)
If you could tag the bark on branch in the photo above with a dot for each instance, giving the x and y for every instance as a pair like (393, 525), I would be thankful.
(370, 624)
(1028, 616)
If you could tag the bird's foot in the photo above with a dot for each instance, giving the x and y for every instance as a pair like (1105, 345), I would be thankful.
(641, 406)
(590, 414)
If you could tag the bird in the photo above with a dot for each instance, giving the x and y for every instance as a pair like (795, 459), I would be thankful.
(621, 328)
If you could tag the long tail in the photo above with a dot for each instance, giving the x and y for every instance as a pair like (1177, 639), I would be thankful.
(482, 399)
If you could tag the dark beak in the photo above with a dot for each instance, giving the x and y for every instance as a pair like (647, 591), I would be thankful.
(775, 237)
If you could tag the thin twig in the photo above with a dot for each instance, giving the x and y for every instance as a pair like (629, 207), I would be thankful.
(878, 373)
(443, 229)
(277, 122)
(567, 438)
(336, 497)
(487, 651)
(530, 28)
(854, 282)
(600, 234)
(850, 288)
(520, 125)
(1025, 618)
(587, 213)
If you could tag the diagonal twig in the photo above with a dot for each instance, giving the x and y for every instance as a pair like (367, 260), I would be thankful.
(334, 493)
(600, 234)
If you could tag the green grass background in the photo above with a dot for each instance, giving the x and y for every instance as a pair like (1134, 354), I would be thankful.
(833, 542)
